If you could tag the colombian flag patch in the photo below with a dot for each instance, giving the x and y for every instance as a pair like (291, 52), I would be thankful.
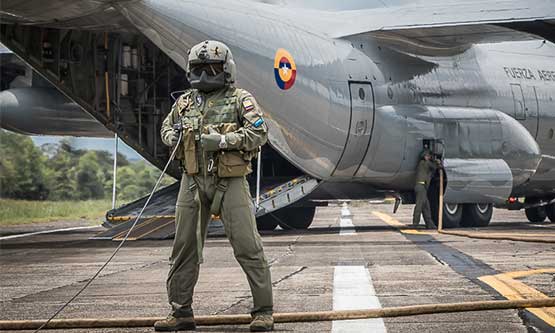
(248, 105)
(285, 70)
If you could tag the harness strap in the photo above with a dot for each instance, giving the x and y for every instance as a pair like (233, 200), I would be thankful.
(221, 188)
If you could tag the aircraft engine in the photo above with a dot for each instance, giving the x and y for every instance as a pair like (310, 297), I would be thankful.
(487, 154)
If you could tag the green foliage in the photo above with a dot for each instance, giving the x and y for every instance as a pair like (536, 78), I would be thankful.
(60, 172)
(24, 211)
(137, 180)
(22, 168)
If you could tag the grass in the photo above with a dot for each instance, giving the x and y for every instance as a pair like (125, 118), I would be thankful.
(23, 211)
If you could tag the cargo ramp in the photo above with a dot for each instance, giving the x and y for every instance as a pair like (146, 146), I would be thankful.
(158, 221)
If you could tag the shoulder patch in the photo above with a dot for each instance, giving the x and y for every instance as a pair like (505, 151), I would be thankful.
(248, 104)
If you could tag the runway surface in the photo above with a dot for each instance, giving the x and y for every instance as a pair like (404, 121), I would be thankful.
(353, 256)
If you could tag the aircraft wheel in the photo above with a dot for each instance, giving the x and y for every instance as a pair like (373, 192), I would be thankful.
(536, 214)
(452, 215)
(266, 223)
(295, 218)
(476, 215)
(550, 211)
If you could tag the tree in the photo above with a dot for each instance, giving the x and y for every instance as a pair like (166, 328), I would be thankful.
(60, 174)
(22, 168)
(88, 176)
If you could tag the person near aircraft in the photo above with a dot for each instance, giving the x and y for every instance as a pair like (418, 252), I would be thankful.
(426, 168)
(222, 129)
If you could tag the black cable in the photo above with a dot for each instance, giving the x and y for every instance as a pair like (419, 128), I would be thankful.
(122, 241)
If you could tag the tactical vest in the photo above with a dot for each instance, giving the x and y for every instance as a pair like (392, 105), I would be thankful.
(223, 115)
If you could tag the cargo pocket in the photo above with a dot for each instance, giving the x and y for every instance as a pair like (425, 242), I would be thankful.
(232, 164)
(189, 152)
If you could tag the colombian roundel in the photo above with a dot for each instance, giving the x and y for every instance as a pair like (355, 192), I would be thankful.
(285, 69)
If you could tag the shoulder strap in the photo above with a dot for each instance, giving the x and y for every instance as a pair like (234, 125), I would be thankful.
(185, 100)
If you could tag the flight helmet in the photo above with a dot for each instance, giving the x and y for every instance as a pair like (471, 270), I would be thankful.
(210, 66)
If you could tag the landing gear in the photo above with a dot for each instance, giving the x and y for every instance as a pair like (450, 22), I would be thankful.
(287, 219)
(550, 212)
(536, 214)
(296, 218)
(452, 213)
(476, 215)
(266, 223)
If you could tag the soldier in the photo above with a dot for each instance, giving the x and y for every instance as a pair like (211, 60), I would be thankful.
(222, 130)
(424, 171)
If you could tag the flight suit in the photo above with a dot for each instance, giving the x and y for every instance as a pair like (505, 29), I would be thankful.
(424, 172)
(214, 183)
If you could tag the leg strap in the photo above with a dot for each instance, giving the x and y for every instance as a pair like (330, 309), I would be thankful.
(221, 188)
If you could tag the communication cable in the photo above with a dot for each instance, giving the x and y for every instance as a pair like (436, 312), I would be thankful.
(122, 241)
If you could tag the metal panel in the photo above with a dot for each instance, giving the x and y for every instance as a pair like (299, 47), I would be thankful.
(477, 181)
(518, 100)
(360, 129)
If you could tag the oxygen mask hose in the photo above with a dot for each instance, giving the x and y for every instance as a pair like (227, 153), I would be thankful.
(174, 151)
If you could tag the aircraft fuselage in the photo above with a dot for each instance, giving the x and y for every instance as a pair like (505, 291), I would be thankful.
(358, 111)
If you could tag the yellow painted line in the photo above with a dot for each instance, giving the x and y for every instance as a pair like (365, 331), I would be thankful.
(519, 274)
(406, 229)
(512, 289)
(403, 228)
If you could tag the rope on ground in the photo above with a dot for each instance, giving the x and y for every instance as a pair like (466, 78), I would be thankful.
(411, 310)
(520, 238)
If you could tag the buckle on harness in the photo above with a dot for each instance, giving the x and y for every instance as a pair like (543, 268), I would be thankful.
(210, 165)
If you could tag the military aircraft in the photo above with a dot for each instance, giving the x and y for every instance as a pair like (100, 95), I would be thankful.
(31, 105)
(352, 90)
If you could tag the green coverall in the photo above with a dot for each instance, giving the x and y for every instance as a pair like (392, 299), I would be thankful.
(424, 172)
(198, 190)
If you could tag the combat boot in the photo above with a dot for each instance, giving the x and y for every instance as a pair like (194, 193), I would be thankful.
(262, 323)
(172, 323)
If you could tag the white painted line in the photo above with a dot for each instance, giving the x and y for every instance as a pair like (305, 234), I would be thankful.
(353, 290)
(46, 232)
(346, 221)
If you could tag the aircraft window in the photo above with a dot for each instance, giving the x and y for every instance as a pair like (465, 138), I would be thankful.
(361, 93)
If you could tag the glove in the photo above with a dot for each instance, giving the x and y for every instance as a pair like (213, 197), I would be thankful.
(174, 138)
(211, 142)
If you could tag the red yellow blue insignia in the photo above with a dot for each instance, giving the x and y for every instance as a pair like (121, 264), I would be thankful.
(248, 105)
(285, 69)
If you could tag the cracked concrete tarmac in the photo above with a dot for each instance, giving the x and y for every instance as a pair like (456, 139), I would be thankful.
(39, 273)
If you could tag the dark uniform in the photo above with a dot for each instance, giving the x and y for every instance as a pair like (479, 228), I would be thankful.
(424, 172)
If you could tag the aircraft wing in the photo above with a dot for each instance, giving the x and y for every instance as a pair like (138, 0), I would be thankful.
(431, 28)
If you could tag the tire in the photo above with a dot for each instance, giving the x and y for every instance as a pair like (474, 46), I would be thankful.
(536, 214)
(295, 218)
(550, 211)
(452, 213)
(476, 215)
(266, 223)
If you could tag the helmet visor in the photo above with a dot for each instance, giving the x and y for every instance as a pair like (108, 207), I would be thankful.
(210, 69)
